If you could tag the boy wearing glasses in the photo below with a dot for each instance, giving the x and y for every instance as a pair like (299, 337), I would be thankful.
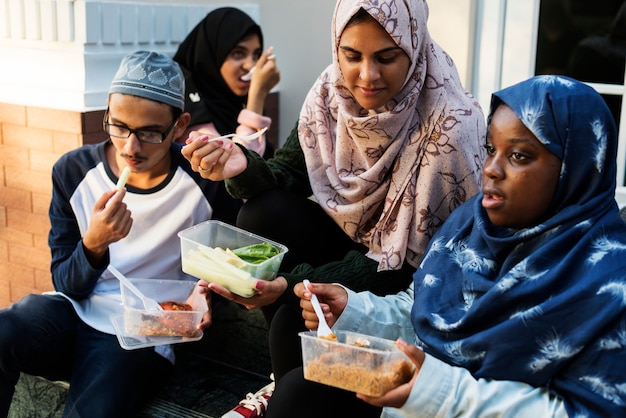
(68, 334)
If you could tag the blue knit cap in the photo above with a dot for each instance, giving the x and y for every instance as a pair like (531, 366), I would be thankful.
(151, 75)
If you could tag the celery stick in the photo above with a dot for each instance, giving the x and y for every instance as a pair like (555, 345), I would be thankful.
(209, 265)
(242, 287)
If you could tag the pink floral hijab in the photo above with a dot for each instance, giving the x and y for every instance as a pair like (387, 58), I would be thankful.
(390, 177)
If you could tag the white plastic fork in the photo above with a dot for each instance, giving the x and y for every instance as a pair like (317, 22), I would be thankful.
(243, 137)
(323, 330)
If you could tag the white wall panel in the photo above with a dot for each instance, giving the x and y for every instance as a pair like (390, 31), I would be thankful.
(16, 19)
(48, 19)
(32, 19)
(128, 26)
(4, 19)
(178, 28)
(65, 20)
(110, 23)
(162, 23)
(144, 25)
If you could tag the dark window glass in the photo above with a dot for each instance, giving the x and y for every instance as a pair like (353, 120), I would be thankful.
(584, 39)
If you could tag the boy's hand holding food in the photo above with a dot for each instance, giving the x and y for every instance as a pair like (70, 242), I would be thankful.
(111, 221)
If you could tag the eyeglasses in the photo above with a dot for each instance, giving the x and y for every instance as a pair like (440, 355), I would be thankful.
(143, 135)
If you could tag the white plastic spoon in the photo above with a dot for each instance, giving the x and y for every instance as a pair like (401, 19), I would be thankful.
(248, 75)
(323, 330)
(148, 303)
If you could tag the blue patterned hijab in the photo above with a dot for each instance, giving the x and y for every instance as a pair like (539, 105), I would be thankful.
(545, 304)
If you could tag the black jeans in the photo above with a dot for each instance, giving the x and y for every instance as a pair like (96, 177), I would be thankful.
(42, 335)
(295, 396)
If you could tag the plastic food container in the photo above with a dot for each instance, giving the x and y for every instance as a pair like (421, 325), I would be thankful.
(160, 327)
(197, 243)
(355, 362)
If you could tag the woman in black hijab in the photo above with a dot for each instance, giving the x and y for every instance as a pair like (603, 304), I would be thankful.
(214, 57)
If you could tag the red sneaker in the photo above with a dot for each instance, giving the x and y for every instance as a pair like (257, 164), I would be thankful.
(255, 404)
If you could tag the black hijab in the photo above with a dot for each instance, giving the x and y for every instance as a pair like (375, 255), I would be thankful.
(201, 56)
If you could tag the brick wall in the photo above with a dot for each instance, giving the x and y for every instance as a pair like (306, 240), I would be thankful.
(31, 140)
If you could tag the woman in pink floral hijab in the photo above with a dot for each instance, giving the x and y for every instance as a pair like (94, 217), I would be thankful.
(390, 176)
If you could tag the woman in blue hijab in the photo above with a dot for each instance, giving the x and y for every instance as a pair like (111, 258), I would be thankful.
(520, 301)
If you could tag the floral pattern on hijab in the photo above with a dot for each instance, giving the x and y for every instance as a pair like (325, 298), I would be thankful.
(546, 304)
(391, 177)
(201, 55)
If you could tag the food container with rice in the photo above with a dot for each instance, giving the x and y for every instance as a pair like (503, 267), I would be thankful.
(183, 307)
(220, 253)
(355, 362)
